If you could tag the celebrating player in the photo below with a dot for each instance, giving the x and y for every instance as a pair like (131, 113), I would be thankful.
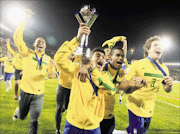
(35, 64)
(8, 70)
(114, 67)
(17, 63)
(143, 82)
(62, 94)
(86, 105)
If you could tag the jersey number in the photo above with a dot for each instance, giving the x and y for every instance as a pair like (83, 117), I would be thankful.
(153, 82)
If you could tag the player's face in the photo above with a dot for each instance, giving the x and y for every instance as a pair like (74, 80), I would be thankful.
(117, 59)
(155, 50)
(107, 52)
(98, 59)
(40, 44)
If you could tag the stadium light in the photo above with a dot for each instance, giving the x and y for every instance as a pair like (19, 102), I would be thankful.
(172, 64)
(5, 28)
(166, 42)
(15, 13)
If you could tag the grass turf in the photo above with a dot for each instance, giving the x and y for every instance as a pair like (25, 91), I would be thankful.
(166, 118)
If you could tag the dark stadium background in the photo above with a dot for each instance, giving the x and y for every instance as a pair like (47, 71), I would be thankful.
(137, 20)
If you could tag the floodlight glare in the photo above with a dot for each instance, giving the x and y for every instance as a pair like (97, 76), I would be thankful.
(166, 42)
(5, 28)
(15, 14)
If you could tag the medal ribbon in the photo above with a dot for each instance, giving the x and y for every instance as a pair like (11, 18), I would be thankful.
(158, 66)
(93, 85)
(39, 61)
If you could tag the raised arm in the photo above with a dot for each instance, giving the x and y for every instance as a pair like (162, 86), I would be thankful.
(124, 41)
(65, 50)
(18, 35)
(62, 54)
(9, 47)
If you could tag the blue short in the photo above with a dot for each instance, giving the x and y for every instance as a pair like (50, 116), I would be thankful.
(7, 76)
(70, 129)
(138, 124)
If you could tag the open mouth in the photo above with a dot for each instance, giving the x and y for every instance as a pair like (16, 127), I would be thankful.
(99, 64)
(158, 52)
(119, 63)
(40, 47)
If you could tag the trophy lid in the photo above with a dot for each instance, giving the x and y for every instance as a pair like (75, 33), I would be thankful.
(87, 11)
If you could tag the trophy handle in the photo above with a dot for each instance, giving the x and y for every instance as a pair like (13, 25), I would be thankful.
(84, 40)
(79, 17)
(92, 20)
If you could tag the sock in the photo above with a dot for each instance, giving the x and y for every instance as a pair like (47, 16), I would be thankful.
(9, 81)
(7, 84)
(16, 89)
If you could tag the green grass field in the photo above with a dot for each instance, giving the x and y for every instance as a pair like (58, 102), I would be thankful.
(166, 118)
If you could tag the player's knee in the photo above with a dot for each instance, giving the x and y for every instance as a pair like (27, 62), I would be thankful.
(22, 117)
(17, 82)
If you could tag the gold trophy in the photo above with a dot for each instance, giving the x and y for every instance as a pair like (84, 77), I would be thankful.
(87, 15)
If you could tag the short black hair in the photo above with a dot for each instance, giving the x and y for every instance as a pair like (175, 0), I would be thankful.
(106, 46)
(114, 48)
(98, 49)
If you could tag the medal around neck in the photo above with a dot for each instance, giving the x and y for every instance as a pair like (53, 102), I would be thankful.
(88, 15)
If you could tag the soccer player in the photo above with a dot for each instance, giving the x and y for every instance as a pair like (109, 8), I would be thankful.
(114, 67)
(8, 70)
(17, 63)
(107, 45)
(35, 64)
(142, 83)
(86, 106)
(62, 94)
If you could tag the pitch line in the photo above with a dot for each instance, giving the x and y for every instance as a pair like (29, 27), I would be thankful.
(169, 96)
(168, 103)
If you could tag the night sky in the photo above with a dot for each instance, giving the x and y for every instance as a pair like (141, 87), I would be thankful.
(137, 20)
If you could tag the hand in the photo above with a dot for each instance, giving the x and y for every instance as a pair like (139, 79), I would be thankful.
(52, 62)
(122, 38)
(21, 73)
(7, 40)
(168, 86)
(168, 81)
(85, 60)
(83, 73)
(28, 13)
(52, 75)
(83, 29)
(137, 82)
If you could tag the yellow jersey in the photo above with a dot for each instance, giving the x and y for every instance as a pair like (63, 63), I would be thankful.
(33, 76)
(85, 109)
(64, 79)
(8, 64)
(17, 60)
(142, 101)
(110, 99)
